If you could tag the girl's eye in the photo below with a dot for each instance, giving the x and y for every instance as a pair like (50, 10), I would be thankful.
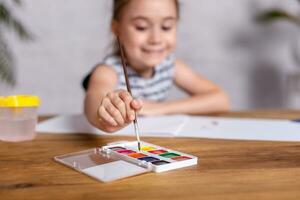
(166, 28)
(141, 28)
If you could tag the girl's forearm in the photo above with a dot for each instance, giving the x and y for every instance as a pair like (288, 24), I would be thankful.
(91, 103)
(213, 102)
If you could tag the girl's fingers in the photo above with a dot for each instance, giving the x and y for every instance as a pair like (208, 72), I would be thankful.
(118, 103)
(104, 116)
(127, 98)
(136, 104)
(113, 111)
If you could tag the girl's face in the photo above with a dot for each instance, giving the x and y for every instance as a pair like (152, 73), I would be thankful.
(147, 30)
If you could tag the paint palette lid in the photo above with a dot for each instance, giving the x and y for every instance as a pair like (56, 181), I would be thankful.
(101, 166)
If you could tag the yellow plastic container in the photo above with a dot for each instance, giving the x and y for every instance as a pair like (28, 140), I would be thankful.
(18, 117)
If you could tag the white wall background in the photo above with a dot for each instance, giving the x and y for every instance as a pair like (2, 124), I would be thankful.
(219, 39)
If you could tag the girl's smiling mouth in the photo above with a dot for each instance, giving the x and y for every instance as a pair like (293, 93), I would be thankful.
(153, 51)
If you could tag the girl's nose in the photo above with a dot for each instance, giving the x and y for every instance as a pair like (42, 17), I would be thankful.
(155, 37)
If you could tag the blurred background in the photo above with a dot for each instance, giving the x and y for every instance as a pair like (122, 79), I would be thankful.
(257, 64)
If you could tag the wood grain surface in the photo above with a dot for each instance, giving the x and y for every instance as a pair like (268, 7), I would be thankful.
(226, 170)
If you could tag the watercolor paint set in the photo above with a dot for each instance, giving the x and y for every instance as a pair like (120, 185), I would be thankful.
(123, 159)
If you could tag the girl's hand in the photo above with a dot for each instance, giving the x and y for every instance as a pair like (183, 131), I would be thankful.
(117, 110)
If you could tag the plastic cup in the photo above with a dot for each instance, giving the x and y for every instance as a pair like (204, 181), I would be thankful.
(18, 117)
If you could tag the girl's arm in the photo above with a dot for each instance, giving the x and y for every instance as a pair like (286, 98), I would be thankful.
(105, 108)
(205, 96)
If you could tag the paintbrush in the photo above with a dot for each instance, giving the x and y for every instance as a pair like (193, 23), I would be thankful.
(135, 121)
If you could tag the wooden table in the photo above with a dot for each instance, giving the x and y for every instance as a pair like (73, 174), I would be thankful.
(227, 169)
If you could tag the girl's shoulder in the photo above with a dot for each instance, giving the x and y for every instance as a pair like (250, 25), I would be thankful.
(179, 64)
(109, 64)
(107, 69)
(114, 62)
(104, 73)
(100, 73)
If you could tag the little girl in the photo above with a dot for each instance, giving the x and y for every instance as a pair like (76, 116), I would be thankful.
(147, 31)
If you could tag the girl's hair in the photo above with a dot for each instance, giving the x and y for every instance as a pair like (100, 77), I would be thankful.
(117, 8)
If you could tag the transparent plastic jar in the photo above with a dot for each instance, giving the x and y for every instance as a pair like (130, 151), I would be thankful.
(18, 117)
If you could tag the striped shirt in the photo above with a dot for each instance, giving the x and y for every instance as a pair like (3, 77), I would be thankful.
(155, 88)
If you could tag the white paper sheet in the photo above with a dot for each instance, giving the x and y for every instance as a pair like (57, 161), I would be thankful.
(149, 126)
(187, 126)
(241, 129)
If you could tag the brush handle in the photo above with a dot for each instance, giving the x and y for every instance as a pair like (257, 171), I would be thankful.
(124, 66)
(135, 122)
